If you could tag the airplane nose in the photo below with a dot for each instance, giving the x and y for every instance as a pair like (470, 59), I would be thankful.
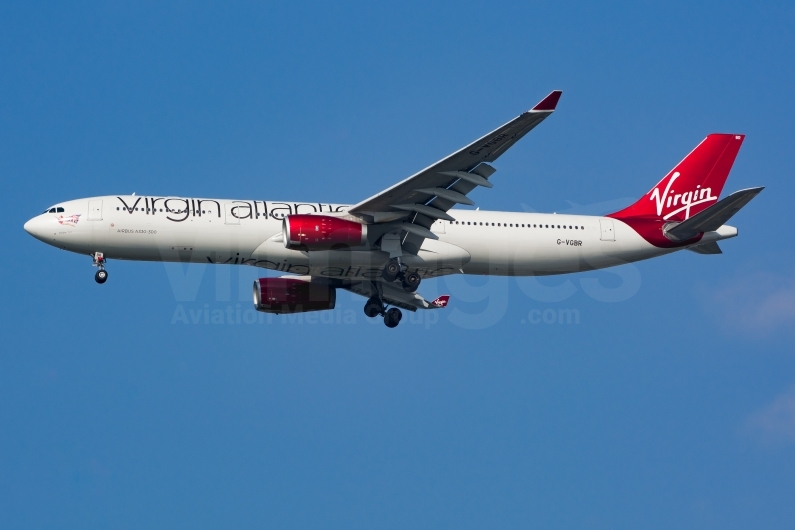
(34, 227)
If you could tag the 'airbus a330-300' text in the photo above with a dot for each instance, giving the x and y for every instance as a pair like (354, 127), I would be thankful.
(382, 247)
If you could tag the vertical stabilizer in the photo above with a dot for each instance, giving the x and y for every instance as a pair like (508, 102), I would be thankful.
(693, 185)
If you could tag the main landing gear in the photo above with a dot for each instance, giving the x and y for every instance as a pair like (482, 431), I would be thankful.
(394, 271)
(99, 261)
(375, 307)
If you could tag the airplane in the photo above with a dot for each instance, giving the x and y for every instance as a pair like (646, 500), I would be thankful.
(384, 246)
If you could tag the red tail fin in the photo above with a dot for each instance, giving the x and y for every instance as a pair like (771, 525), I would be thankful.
(693, 185)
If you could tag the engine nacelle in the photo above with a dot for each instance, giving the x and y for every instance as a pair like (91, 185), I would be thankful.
(290, 295)
(321, 232)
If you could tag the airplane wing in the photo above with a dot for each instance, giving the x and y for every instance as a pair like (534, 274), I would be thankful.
(393, 295)
(417, 202)
(388, 292)
(706, 248)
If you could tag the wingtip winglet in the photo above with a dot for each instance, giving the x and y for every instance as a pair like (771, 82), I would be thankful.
(550, 102)
(441, 301)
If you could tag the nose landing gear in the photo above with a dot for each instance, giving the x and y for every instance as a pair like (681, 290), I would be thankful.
(99, 261)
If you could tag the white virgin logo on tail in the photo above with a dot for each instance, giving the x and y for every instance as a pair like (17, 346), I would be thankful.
(687, 200)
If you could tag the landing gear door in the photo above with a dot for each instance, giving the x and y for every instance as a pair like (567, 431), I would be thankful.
(608, 234)
(231, 218)
(95, 210)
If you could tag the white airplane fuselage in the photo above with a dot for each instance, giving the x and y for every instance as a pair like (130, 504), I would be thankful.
(249, 232)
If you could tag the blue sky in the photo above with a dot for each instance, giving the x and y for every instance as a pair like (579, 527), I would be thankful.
(668, 399)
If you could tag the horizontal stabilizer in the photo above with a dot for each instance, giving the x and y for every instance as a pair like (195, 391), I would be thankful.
(706, 248)
(713, 217)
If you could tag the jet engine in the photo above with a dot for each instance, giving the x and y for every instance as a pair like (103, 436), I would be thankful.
(292, 295)
(321, 232)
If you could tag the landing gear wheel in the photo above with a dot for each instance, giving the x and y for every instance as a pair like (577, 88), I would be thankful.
(411, 281)
(391, 270)
(99, 261)
(392, 317)
(373, 307)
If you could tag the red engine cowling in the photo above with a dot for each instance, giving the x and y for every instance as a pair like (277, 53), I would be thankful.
(321, 232)
(289, 295)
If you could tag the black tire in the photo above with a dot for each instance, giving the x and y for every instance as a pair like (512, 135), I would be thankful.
(411, 281)
(391, 271)
(372, 308)
(392, 317)
(101, 276)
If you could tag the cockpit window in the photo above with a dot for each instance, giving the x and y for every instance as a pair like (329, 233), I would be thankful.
(58, 209)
